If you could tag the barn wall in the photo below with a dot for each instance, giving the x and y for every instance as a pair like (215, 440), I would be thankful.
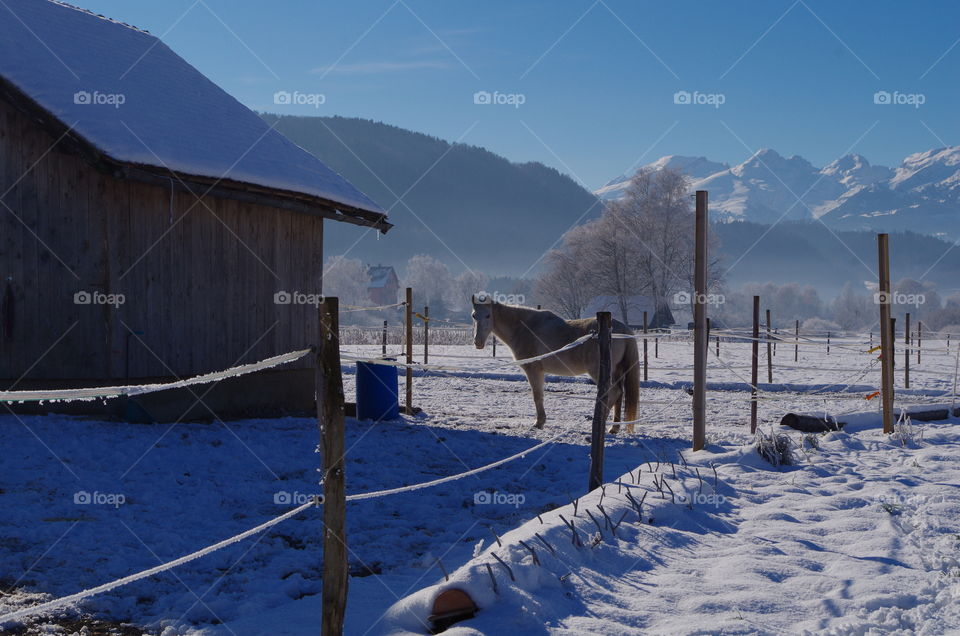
(198, 279)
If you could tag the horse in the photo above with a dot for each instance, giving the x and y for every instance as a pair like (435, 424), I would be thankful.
(533, 332)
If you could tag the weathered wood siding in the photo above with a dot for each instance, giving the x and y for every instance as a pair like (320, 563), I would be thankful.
(198, 278)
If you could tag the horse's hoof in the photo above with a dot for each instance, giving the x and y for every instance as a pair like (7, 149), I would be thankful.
(538, 425)
(630, 429)
(614, 429)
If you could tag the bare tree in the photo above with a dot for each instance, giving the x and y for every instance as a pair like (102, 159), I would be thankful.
(565, 283)
(431, 282)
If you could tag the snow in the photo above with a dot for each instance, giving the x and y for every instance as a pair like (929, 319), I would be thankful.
(133, 98)
(860, 536)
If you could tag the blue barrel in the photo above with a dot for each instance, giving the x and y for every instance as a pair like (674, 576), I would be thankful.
(378, 398)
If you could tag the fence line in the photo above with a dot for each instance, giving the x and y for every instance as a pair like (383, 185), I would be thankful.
(70, 395)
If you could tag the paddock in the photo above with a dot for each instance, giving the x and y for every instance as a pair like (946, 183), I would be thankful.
(477, 411)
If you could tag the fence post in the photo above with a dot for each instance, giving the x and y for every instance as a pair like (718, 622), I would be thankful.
(828, 343)
(700, 323)
(409, 308)
(893, 342)
(656, 347)
(886, 336)
(769, 351)
(755, 364)
(601, 408)
(494, 346)
(645, 365)
(796, 342)
(384, 338)
(906, 352)
(919, 339)
(426, 334)
(330, 399)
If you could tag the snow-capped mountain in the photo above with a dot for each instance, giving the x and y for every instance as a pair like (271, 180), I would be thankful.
(922, 194)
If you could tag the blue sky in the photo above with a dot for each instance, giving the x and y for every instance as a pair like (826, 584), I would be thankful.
(597, 78)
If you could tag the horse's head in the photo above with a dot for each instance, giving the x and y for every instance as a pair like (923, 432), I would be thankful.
(482, 319)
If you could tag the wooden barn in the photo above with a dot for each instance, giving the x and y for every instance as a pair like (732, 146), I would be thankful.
(151, 226)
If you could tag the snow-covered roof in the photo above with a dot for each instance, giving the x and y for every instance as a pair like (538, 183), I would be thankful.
(380, 275)
(127, 98)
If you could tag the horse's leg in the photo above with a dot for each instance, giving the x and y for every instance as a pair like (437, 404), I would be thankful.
(534, 373)
(614, 398)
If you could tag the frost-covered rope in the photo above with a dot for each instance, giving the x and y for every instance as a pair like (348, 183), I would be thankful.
(48, 606)
(91, 393)
(443, 480)
(352, 308)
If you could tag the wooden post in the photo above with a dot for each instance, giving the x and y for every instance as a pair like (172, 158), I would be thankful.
(718, 346)
(828, 343)
(538, 307)
(330, 413)
(893, 342)
(776, 332)
(755, 364)
(601, 408)
(494, 346)
(409, 308)
(645, 364)
(384, 338)
(796, 341)
(886, 336)
(656, 347)
(426, 334)
(769, 351)
(906, 351)
(700, 323)
(919, 339)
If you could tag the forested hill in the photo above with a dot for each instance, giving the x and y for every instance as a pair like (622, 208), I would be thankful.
(462, 204)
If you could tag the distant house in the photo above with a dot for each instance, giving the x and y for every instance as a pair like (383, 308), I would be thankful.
(151, 226)
(636, 305)
(384, 284)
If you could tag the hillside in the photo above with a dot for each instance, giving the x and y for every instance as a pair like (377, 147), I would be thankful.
(462, 204)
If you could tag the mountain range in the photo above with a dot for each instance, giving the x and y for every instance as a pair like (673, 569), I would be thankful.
(922, 194)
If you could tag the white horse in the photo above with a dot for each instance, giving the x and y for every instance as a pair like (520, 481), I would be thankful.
(533, 332)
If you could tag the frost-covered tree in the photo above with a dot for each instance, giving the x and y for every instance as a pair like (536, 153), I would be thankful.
(565, 284)
(854, 310)
(431, 281)
(464, 286)
(347, 279)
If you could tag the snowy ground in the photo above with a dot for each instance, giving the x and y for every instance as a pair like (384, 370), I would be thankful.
(864, 533)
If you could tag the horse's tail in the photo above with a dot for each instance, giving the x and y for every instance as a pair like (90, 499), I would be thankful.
(628, 375)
